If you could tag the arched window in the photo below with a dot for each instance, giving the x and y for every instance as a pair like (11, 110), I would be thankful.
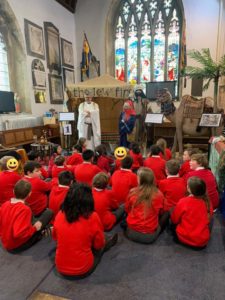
(4, 70)
(147, 40)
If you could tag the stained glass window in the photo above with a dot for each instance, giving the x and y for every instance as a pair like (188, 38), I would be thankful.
(147, 40)
(4, 72)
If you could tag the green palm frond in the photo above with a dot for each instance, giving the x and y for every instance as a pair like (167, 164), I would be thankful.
(195, 72)
(203, 58)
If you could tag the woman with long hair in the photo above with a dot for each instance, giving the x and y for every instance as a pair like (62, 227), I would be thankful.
(144, 206)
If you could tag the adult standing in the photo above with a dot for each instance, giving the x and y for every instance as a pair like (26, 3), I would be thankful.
(126, 123)
(89, 122)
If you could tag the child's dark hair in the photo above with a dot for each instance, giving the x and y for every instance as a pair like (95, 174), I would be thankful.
(55, 148)
(201, 159)
(22, 189)
(197, 188)
(155, 150)
(173, 166)
(78, 202)
(30, 166)
(88, 155)
(32, 155)
(59, 160)
(100, 181)
(65, 178)
(135, 148)
(127, 162)
(78, 148)
(100, 150)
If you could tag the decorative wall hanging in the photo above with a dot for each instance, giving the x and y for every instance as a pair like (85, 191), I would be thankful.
(38, 74)
(67, 53)
(52, 47)
(68, 76)
(56, 89)
(34, 39)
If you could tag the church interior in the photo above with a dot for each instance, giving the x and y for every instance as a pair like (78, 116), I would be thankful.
(56, 54)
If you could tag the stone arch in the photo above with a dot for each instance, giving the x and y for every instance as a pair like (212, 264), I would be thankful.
(16, 54)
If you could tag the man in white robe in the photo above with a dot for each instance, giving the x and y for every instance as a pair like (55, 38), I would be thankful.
(89, 123)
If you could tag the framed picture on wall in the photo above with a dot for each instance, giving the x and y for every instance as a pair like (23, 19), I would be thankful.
(68, 76)
(38, 74)
(40, 96)
(34, 39)
(67, 53)
(52, 47)
(55, 89)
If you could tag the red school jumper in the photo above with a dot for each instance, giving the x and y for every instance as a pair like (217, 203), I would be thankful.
(75, 241)
(137, 160)
(185, 168)
(105, 202)
(141, 219)
(104, 163)
(56, 170)
(122, 182)
(191, 217)
(8, 179)
(85, 172)
(173, 188)
(38, 198)
(56, 198)
(15, 224)
(75, 159)
(157, 165)
(168, 155)
(210, 181)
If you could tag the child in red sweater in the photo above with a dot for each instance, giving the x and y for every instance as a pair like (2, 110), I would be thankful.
(60, 166)
(156, 163)
(165, 152)
(8, 179)
(185, 167)
(57, 151)
(192, 215)
(173, 187)
(79, 234)
(35, 156)
(86, 171)
(105, 203)
(144, 207)
(135, 153)
(123, 180)
(76, 158)
(59, 192)
(38, 199)
(199, 167)
(16, 229)
(103, 161)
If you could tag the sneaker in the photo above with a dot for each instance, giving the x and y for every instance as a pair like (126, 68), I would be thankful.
(111, 241)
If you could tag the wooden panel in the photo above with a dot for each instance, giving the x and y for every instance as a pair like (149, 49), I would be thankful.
(29, 134)
(20, 136)
(9, 138)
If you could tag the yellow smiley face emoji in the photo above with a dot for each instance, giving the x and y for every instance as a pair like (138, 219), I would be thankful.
(12, 164)
(120, 153)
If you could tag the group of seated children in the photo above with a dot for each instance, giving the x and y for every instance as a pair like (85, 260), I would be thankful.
(89, 193)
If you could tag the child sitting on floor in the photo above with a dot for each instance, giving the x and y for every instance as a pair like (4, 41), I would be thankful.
(192, 215)
(76, 158)
(173, 187)
(144, 207)
(16, 229)
(105, 203)
(59, 192)
(123, 180)
(60, 166)
(79, 234)
(185, 167)
(135, 153)
(165, 152)
(103, 161)
(35, 156)
(8, 179)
